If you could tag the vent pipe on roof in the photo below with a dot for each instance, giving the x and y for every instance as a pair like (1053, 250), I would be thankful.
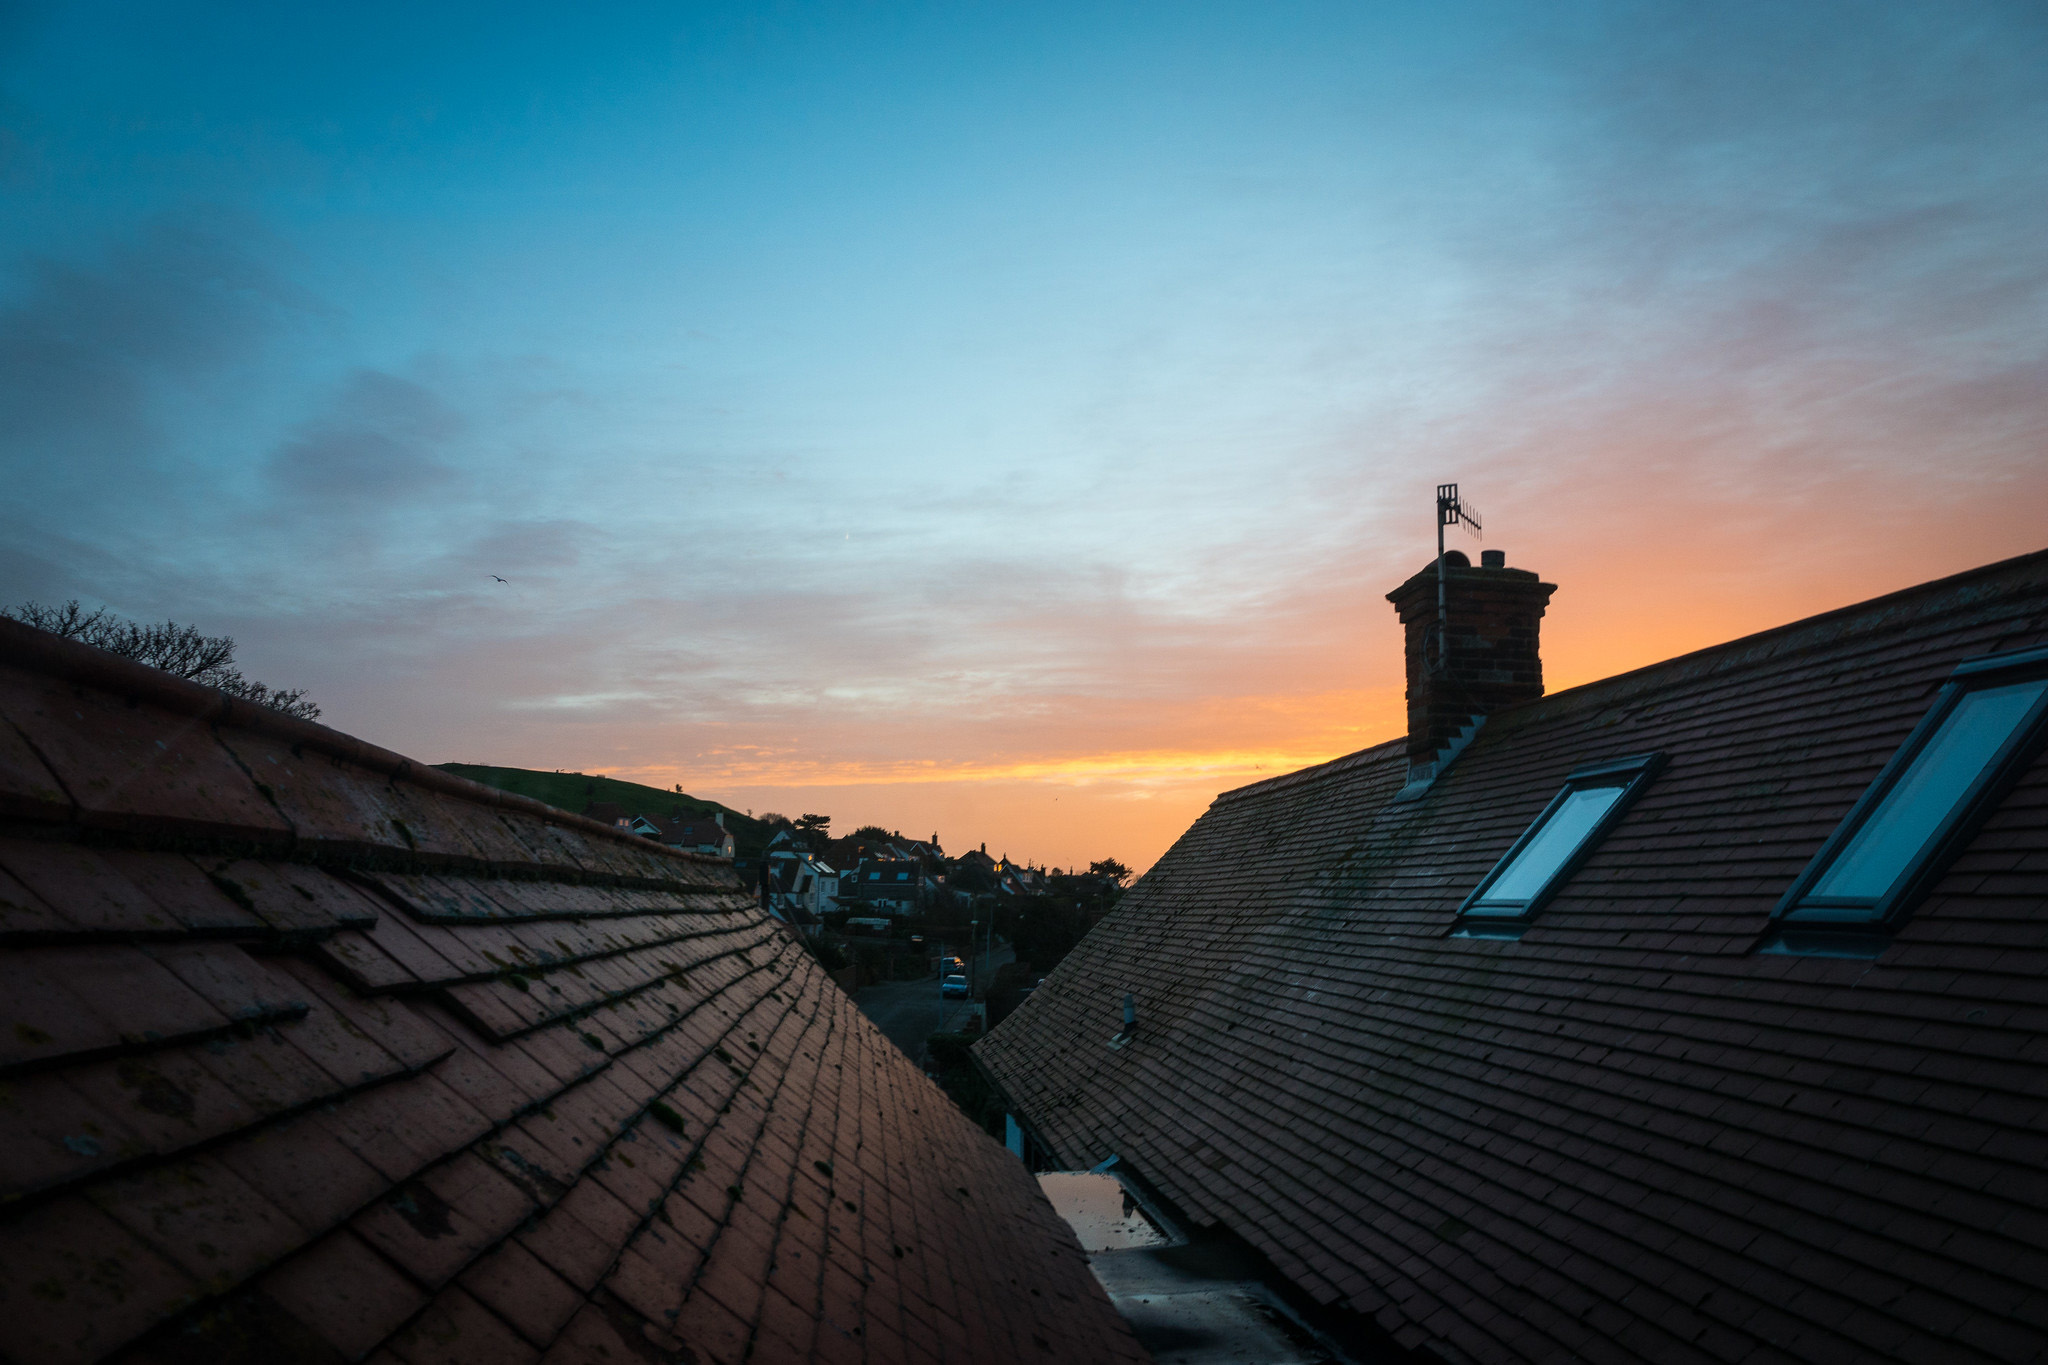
(1124, 1035)
(1488, 659)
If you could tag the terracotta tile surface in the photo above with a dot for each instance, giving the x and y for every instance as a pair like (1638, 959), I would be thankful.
(134, 767)
(308, 1053)
(1629, 1135)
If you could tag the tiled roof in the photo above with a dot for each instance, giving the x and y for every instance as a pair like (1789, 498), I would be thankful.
(687, 833)
(1628, 1136)
(308, 1053)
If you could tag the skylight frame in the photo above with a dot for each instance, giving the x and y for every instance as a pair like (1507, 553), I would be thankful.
(1631, 774)
(1835, 920)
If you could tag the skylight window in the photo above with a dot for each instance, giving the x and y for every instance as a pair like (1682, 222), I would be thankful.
(1986, 724)
(1564, 834)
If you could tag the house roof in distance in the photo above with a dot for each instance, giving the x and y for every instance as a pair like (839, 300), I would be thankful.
(606, 813)
(687, 831)
(1630, 1134)
(309, 1053)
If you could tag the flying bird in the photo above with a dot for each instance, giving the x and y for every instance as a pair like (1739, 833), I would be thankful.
(499, 579)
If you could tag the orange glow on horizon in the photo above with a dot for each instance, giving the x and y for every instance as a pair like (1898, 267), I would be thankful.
(1111, 798)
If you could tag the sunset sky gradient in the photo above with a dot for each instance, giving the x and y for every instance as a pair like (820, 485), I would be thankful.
(998, 420)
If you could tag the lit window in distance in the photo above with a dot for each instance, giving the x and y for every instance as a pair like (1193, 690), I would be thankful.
(1913, 810)
(1546, 852)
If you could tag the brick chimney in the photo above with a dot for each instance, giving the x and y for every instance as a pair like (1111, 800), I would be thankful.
(1489, 660)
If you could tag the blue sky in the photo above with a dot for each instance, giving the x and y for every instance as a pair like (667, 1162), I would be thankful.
(997, 418)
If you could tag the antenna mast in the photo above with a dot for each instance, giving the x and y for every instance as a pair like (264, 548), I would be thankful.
(1450, 511)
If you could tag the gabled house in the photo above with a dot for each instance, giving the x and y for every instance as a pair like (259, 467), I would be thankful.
(1698, 1014)
(1017, 879)
(695, 834)
(608, 813)
(310, 1053)
(847, 851)
(801, 887)
(896, 886)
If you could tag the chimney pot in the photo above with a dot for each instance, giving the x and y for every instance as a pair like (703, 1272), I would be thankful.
(1493, 559)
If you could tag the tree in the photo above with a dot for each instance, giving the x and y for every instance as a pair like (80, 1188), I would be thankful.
(875, 832)
(775, 819)
(814, 829)
(180, 651)
(1046, 929)
(1112, 869)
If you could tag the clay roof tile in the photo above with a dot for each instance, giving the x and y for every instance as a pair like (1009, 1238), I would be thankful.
(320, 1050)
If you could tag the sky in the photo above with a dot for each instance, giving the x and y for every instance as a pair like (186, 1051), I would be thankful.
(1001, 421)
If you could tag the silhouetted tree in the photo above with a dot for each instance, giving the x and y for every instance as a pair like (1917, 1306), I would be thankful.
(1112, 869)
(178, 650)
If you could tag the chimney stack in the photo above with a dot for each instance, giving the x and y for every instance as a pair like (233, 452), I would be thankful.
(1487, 661)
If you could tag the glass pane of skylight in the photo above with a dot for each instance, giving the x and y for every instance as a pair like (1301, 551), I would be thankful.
(1917, 804)
(1559, 838)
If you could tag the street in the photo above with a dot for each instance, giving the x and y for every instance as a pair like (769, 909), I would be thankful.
(910, 1011)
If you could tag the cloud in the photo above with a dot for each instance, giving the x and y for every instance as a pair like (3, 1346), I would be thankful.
(518, 549)
(87, 348)
(378, 444)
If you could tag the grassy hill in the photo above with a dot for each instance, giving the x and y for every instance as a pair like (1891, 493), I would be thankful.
(573, 791)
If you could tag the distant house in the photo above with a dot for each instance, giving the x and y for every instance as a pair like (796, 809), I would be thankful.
(800, 888)
(608, 813)
(694, 832)
(851, 850)
(1018, 880)
(1697, 1014)
(899, 886)
(920, 848)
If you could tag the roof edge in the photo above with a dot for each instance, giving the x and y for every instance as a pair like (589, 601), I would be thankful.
(53, 655)
(1357, 758)
(1833, 615)
(1677, 662)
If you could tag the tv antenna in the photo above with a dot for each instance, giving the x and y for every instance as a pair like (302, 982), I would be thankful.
(1451, 510)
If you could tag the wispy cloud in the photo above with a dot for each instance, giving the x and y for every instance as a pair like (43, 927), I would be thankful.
(376, 448)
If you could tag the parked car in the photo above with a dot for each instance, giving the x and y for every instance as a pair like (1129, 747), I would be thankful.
(955, 984)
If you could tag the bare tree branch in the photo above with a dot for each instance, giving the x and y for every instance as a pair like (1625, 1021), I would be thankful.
(181, 651)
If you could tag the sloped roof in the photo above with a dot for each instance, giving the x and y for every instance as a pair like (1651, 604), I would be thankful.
(689, 832)
(606, 812)
(309, 1053)
(1627, 1136)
